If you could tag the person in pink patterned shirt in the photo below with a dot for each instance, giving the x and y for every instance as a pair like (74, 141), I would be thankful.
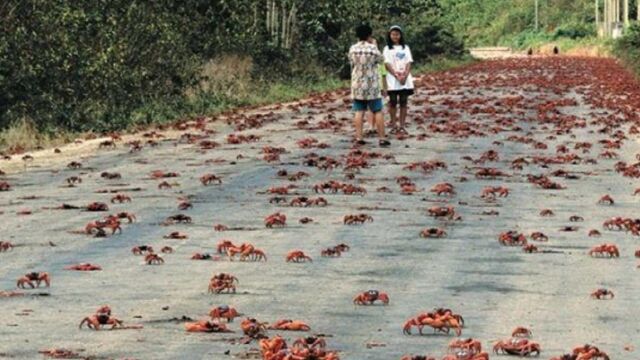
(365, 58)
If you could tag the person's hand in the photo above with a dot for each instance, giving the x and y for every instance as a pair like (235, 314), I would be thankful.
(384, 92)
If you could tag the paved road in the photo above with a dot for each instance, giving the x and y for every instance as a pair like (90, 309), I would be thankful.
(514, 107)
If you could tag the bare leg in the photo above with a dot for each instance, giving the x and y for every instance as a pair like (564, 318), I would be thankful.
(403, 116)
(379, 124)
(357, 122)
(393, 115)
(372, 119)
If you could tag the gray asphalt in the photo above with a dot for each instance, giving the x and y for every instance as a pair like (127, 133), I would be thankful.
(495, 288)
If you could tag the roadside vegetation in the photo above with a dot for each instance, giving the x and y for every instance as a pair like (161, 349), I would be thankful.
(69, 68)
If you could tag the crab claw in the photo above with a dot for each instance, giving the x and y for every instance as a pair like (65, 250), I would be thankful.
(384, 297)
(407, 326)
(458, 331)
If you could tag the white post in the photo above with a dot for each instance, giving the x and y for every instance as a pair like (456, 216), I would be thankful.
(626, 13)
(605, 19)
(537, 15)
(597, 18)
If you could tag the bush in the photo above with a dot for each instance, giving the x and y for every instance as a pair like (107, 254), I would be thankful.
(575, 31)
(88, 65)
(103, 65)
(627, 48)
(432, 39)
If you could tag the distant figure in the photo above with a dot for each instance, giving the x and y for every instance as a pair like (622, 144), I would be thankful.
(556, 51)
(530, 52)
(365, 57)
(398, 60)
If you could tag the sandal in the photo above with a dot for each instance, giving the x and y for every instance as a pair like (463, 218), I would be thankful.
(384, 143)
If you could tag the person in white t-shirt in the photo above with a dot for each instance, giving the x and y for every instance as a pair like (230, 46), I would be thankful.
(398, 60)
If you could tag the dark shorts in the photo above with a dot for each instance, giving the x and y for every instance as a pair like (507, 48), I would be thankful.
(399, 97)
(364, 105)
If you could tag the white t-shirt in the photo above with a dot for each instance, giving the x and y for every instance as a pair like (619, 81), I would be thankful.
(398, 58)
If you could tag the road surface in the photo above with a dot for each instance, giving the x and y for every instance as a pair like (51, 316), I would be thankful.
(520, 108)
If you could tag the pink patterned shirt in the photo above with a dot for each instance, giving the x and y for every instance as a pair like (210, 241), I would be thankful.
(365, 77)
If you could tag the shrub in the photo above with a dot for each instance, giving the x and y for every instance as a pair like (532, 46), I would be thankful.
(627, 48)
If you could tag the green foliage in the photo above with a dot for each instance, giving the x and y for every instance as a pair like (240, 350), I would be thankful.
(83, 65)
(627, 48)
(104, 64)
(575, 30)
(501, 22)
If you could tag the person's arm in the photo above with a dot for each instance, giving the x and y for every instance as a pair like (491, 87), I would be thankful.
(383, 78)
(405, 74)
(387, 62)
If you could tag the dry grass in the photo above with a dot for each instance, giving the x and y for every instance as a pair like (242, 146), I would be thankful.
(227, 76)
(23, 135)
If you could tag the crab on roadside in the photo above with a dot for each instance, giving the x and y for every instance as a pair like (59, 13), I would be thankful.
(222, 282)
(96, 321)
(141, 249)
(253, 328)
(357, 219)
(443, 188)
(443, 212)
(83, 267)
(606, 200)
(176, 235)
(177, 219)
(34, 277)
(602, 294)
(297, 256)
(97, 206)
(208, 179)
(220, 227)
(289, 325)
(491, 192)
(6, 246)
(369, 297)
(517, 346)
(275, 220)
(539, 236)
(465, 345)
(512, 238)
(99, 227)
(546, 212)
(206, 326)
(224, 312)
(202, 256)
(120, 198)
(520, 332)
(604, 250)
(153, 259)
(433, 233)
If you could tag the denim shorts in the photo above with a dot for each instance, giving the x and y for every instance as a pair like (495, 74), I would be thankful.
(362, 105)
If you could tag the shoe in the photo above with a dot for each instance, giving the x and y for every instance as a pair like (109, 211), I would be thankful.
(384, 143)
(361, 142)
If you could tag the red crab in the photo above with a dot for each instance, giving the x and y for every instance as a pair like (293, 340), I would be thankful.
(297, 256)
(120, 198)
(207, 179)
(371, 296)
(433, 233)
(275, 220)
